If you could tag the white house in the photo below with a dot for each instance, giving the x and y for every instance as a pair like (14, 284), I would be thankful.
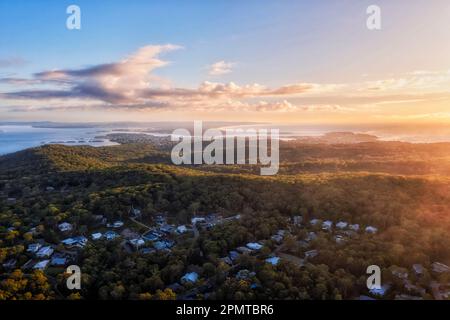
(371, 229)
(45, 252)
(440, 267)
(96, 236)
(190, 277)
(339, 239)
(196, 220)
(297, 220)
(327, 225)
(118, 224)
(313, 222)
(273, 260)
(34, 247)
(341, 225)
(79, 241)
(418, 269)
(311, 253)
(181, 229)
(41, 265)
(354, 227)
(380, 291)
(254, 246)
(111, 235)
(65, 226)
(137, 242)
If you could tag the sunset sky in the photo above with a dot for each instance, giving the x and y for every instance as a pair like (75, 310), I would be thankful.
(253, 60)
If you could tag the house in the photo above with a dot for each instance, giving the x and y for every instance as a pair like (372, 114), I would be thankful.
(236, 217)
(136, 242)
(311, 236)
(354, 227)
(233, 255)
(371, 229)
(79, 241)
(50, 189)
(181, 229)
(151, 236)
(99, 219)
(303, 244)
(311, 254)
(163, 245)
(440, 267)
(273, 260)
(297, 220)
(244, 250)
(28, 265)
(10, 264)
(110, 235)
(196, 220)
(227, 260)
(314, 222)
(96, 236)
(59, 261)
(413, 288)
(159, 219)
(339, 239)
(341, 225)
(254, 246)
(418, 269)
(167, 228)
(45, 252)
(277, 238)
(117, 224)
(34, 247)
(400, 273)
(381, 291)
(41, 265)
(245, 274)
(64, 227)
(191, 277)
(327, 225)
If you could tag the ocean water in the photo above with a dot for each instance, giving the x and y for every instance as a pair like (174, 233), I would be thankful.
(16, 138)
(19, 137)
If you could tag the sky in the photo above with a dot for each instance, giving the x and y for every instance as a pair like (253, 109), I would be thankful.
(256, 60)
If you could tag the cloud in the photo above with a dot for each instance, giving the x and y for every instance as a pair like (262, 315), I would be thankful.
(12, 62)
(131, 84)
(220, 68)
(113, 82)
